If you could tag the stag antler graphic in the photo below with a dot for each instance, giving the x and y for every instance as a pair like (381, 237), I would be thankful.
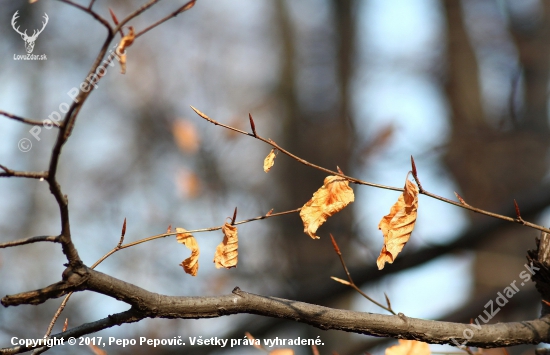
(29, 40)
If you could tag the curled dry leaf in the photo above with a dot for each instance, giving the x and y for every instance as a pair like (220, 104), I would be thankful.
(269, 160)
(332, 197)
(125, 42)
(226, 252)
(409, 347)
(191, 264)
(398, 225)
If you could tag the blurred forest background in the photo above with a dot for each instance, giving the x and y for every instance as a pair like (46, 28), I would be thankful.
(460, 85)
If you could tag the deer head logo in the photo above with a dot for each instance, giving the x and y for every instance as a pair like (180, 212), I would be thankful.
(29, 40)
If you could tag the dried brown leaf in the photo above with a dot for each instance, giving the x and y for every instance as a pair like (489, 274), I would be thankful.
(125, 42)
(226, 252)
(409, 347)
(332, 197)
(191, 264)
(398, 225)
(269, 160)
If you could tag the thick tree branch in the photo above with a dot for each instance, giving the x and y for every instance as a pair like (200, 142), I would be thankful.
(154, 305)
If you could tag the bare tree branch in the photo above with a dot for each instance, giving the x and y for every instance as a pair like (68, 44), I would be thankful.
(91, 12)
(24, 120)
(153, 305)
(44, 238)
(25, 174)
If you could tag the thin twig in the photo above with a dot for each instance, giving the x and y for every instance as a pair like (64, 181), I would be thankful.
(136, 13)
(42, 238)
(66, 299)
(351, 283)
(91, 12)
(25, 120)
(303, 161)
(183, 8)
(361, 182)
(26, 174)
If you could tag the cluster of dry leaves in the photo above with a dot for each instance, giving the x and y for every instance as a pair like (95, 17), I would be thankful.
(335, 194)
(226, 252)
(329, 199)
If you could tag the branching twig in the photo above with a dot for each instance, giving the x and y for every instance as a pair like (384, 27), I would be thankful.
(352, 284)
(183, 8)
(91, 12)
(66, 299)
(154, 305)
(361, 182)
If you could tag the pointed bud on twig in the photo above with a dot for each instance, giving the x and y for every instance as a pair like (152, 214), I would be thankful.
(123, 228)
(461, 199)
(115, 20)
(252, 125)
(387, 300)
(546, 302)
(234, 216)
(413, 167)
(339, 170)
(518, 214)
(335, 245)
(187, 6)
(347, 283)
(169, 229)
(415, 175)
(122, 234)
(269, 213)
(203, 115)
(66, 325)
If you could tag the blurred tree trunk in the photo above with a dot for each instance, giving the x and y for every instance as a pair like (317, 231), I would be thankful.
(493, 165)
(316, 127)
